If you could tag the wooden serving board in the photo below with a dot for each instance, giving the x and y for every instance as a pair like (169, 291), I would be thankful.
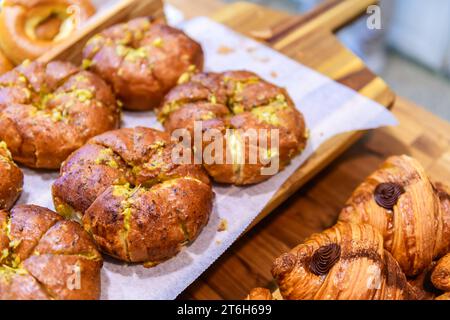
(310, 40)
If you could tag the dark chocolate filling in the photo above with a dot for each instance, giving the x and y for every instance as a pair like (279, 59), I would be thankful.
(386, 194)
(324, 259)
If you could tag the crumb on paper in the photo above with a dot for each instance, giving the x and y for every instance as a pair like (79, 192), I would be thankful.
(251, 49)
(218, 242)
(223, 225)
(273, 74)
(225, 50)
(266, 59)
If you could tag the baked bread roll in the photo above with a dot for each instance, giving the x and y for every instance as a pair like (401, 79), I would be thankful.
(48, 111)
(29, 28)
(142, 60)
(11, 179)
(345, 262)
(243, 101)
(135, 201)
(412, 214)
(5, 64)
(46, 257)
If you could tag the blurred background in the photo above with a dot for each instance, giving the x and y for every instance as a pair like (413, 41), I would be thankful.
(411, 51)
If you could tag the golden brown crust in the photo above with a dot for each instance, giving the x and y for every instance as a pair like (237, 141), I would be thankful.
(138, 205)
(29, 28)
(5, 64)
(259, 294)
(236, 100)
(417, 228)
(142, 60)
(11, 179)
(445, 296)
(46, 257)
(363, 270)
(48, 111)
(441, 274)
(424, 288)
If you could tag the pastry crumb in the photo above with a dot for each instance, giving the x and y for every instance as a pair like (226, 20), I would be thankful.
(273, 74)
(224, 50)
(218, 242)
(263, 34)
(263, 60)
(223, 226)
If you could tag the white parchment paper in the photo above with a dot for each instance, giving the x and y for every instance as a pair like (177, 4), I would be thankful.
(329, 109)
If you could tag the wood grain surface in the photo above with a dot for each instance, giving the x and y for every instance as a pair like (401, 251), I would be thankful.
(316, 205)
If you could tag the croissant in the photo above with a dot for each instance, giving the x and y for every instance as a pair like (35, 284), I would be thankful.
(445, 296)
(345, 262)
(425, 290)
(441, 274)
(412, 214)
(259, 294)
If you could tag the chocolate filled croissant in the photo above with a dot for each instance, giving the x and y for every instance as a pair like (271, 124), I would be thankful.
(441, 274)
(345, 262)
(412, 214)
